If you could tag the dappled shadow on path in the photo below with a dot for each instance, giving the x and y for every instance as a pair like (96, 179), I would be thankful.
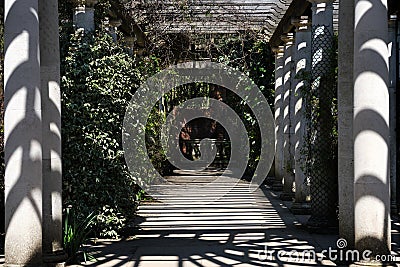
(240, 229)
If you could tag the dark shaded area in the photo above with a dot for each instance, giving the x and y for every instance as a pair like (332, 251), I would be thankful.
(394, 6)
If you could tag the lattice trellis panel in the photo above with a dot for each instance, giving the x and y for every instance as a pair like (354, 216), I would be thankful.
(323, 164)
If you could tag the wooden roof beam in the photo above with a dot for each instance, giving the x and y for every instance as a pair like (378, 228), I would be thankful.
(296, 9)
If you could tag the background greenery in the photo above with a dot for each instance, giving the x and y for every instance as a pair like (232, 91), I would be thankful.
(98, 79)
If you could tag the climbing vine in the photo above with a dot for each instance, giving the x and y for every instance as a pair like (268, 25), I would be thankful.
(312, 115)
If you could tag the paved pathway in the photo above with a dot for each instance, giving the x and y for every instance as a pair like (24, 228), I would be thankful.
(240, 229)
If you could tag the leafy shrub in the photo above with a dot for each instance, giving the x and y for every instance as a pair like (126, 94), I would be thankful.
(98, 80)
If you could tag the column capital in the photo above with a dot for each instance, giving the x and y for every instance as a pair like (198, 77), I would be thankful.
(278, 50)
(301, 23)
(288, 38)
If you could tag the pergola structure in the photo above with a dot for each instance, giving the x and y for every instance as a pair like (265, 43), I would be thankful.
(300, 32)
(220, 16)
(198, 18)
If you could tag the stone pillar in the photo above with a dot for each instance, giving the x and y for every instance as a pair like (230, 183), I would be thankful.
(392, 111)
(51, 132)
(113, 28)
(371, 128)
(288, 151)
(279, 63)
(83, 17)
(324, 167)
(345, 122)
(23, 135)
(302, 69)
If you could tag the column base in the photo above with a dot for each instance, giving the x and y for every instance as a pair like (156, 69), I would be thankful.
(286, 196)
(56, 259)
(301, 208)
(322, 225)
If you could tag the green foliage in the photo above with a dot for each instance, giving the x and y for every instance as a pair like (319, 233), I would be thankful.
(110, 221)
(153, 142)
(244, 52)
(76, 232)
(98, 80)
(250, 55)
(254, 58)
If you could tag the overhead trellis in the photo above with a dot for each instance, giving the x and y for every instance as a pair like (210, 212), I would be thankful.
(208, 16)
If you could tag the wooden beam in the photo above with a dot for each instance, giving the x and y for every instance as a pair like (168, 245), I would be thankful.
(296, 9)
